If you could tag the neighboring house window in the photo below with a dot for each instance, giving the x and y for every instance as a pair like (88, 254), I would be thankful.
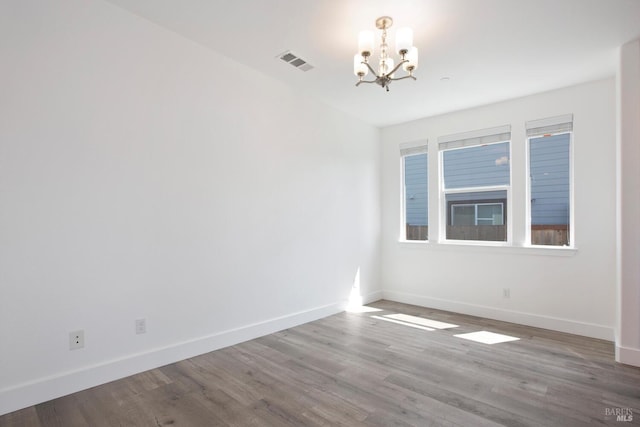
(550, 209)
(415, 194)
(476, 179)
(469, 212)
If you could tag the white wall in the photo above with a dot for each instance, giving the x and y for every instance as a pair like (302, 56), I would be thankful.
(143, 176)
(566, 290)
(628, 319)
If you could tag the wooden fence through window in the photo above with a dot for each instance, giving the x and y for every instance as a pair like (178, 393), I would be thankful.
(548, 235)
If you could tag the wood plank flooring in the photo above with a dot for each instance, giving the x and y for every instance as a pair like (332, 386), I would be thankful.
(355, 370)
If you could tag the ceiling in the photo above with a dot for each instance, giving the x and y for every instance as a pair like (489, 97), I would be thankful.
(472, 52)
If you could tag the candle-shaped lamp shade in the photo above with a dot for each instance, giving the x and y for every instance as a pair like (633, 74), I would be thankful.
(359, 69)
(365, 43)
(404, 40)
(412, 58)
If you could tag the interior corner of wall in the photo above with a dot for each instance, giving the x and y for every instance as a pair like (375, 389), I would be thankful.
(627, 356)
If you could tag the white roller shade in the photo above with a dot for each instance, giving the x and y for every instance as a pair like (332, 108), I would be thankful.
(477, 137)
(550, 125)
(415, 147)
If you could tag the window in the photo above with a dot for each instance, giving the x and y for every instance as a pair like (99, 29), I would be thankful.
(415, 194)
(477, 214)
(474, 200)
(550, 210)
(476, 177)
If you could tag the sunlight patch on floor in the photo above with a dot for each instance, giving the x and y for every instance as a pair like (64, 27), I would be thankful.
(399, 322)
(421, 321)
(487, 337)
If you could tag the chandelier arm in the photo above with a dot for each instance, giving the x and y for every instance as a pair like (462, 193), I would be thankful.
(370, 69)
(402, 78)
(366, 81)
(396, 68)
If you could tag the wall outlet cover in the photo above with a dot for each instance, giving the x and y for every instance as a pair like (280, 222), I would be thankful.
(76, 340)
(141, 326)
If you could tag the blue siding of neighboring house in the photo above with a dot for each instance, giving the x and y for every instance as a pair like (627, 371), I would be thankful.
(550, 179)
(477, 166)
(416, 200)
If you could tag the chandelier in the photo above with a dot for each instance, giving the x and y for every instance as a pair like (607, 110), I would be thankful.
(386, 68)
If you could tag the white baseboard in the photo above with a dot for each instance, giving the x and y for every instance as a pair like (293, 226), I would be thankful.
(628, 356)
(538, 321)
(44, 389)
(372, 297)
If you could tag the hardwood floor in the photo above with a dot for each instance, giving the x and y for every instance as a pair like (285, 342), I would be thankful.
(356, 370)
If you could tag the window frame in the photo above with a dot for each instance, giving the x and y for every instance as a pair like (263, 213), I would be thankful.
(443, 204)
(528, 215)
(406, 150)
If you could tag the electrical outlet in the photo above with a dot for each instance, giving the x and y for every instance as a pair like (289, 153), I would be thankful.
(506, 293)
(76, 340)
(141, 326)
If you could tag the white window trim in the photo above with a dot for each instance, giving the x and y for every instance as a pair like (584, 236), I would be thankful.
(475, 246)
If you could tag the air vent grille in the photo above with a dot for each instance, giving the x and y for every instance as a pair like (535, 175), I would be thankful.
(295, 61)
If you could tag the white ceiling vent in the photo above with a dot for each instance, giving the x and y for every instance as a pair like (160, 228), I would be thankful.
(295, 60)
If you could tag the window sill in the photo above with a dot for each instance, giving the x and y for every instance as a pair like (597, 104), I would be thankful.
(490, 247)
